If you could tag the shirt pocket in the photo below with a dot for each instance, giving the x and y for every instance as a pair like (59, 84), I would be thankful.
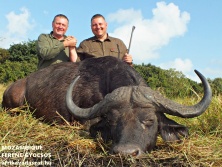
(115, 52)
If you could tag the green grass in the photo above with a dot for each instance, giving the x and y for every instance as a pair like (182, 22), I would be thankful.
(72, 146)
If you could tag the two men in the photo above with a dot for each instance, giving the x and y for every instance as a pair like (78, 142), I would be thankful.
(57, 47)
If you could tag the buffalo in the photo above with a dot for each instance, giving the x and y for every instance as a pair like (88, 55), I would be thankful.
(110, 97)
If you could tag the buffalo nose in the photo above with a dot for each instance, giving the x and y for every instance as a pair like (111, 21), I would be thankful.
(127, 150)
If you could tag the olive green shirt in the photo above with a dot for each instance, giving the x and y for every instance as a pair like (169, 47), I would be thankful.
(92, 47)
(50, 50)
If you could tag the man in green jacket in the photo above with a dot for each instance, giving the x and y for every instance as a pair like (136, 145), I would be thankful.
(56, 47)
(102, 44)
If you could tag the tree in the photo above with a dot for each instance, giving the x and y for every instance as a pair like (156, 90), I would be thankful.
(216, 85)
(4, 55)
(12, 71)
(20, 60)
(170, 82)
(22, 51)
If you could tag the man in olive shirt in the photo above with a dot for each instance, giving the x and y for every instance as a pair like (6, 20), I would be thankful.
(102, 44)
(56, 47)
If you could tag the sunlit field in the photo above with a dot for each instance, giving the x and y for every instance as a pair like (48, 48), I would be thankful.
(69, 145)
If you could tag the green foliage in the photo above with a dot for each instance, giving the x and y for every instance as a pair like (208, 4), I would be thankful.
(151, 74)
(170, 82)
(12, 71)
(4, 55)
(22, 52)
(216, 85)
(18, 61)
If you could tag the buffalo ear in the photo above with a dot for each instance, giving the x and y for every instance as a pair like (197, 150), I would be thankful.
(169, 129)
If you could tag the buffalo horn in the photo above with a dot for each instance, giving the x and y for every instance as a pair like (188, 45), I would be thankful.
(173, 108)
(74, 109)
(87, 113)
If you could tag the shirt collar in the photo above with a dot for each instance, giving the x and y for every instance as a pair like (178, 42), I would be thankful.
(51, 35)
(95, 39)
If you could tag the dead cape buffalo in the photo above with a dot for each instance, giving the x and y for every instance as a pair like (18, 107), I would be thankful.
(127, 111)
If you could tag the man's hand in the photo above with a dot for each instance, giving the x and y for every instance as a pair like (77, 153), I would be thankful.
(128, 59)
(70, 41)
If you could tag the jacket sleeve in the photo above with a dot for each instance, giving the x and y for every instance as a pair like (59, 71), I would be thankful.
(48, 48)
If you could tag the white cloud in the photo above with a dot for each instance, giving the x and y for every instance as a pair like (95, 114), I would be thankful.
(17, 29)
(216, 72)
(19, 24)
(150, 34)
(184, 66)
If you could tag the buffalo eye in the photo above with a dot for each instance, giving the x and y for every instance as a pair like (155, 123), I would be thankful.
(147, 123)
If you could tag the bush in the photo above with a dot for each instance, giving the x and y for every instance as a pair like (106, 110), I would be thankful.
(170, 82)
(4, 55)
(18, 61)
(12, 71)
(22, 52)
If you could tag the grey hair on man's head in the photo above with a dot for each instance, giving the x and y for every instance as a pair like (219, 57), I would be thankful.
(60, 15)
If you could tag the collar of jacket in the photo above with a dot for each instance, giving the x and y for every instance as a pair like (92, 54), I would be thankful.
(51, 35)
(95, 39)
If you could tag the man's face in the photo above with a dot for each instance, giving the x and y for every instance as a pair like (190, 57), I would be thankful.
(60, 26)
(99, 27)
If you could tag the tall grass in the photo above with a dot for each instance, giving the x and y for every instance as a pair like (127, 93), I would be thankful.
(72, 146)
(2, 89)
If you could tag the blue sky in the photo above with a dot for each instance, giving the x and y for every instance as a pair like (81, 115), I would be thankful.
(180, 34)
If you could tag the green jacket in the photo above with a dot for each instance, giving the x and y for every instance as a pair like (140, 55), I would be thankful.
(92, 47)
(50, 51)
